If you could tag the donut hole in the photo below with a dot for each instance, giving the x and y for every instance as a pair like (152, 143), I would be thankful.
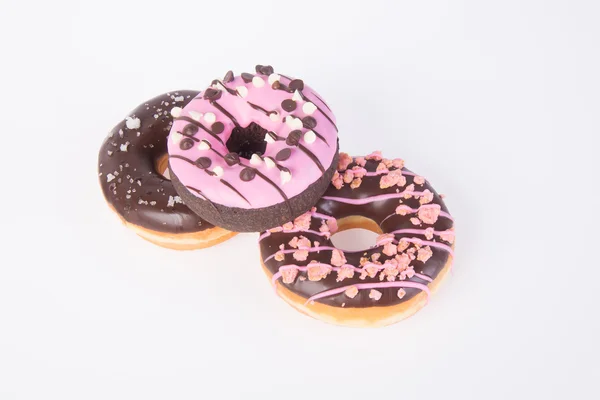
(247, 141)
(356, 233)
(161, 166)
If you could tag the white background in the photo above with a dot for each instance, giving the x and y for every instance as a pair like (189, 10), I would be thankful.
(497, 103)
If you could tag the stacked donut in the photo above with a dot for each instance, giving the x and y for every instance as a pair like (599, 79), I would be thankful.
(259, 152)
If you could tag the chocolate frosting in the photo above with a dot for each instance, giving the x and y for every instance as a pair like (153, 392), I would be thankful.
(128, 176)
(383, 213)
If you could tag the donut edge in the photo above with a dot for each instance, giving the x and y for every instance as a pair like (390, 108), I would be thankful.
(257, 219)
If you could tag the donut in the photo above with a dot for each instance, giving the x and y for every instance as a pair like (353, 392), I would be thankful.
(377, 286)
(253, 151)
(146, 202)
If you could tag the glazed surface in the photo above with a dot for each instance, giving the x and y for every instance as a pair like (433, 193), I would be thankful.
(293, 133)
(416, 244)
(127, 172)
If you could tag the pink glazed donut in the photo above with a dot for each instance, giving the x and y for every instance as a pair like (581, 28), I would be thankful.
(253, 151)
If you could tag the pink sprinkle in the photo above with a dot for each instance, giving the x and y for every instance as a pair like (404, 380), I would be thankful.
(351, 292)
(398, 163)
(301, 255)
(288, 275)
(294, 242)
(303, 243)
(388, 163)
(415, 221)
(424, 254)
(419, 180)
(403, 209)
(279, 256)
(337, 180)
(375, 256)
(403, 245)
(429, 213)
(372, 270)
(427, 197)
(375, 294)
(337, 258)
(376, 155)
(386, 181)
(409, 189)
(348, 176)
(381, 167)
(403, 261)
(401, 293)
(361, 161)
(344, 161)
(390, 249)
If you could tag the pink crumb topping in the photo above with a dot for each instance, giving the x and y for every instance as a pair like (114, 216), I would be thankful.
(427, 197)
(279, 256)
(375, 294)
(317, 271)
(429, 233)
(398, 163)
(403, 260)
(448, 236)
(376, 155)
(424, 254)
(429, 213)
(316, 244)
(294, 242)
(375, 256)
(419, 180)
(337, 181)
(361, 161)
(300, 255)
(302, 223)
(356, 183)
(403, 209)
(359, 172)
(388, 163)
(381, 167)
(348, 176)
(303, 243)
(403, 245)
(401, 293)
(390, 249)
(288, 226)
(415, 221)
(351, 292)
(337, 258)
(344, 161)
(288, 275)
(344, 272)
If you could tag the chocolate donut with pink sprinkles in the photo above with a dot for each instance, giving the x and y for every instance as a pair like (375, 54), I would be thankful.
(253, 151)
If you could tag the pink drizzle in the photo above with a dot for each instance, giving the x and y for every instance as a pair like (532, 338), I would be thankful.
(377, 285)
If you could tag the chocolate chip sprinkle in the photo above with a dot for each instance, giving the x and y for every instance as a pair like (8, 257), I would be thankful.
(228, 76)
(283, 155)
(293, 138)
(247, 77)
(186, 144)
(247, 174)
(264, 69)
(190, 130)
(212, 94)
(218, 127)
(288, 105)
(204, 162)
(231, 159)
(309, 122)
(296, 84)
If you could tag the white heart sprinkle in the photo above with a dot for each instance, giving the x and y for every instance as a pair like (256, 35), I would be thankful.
(210, 117)
(285, 177)
(296, 96)
(310, 137)
(269, 162)
(176, 112)
(124, 146)
(204, 145)
(242, 91)
(109, 177)
(132, 123)
(274, 116)
(255, 159)
(218, 171)
(309, 108)
(195, 115)
(258, 82)
(176, 137)
(274, 78)
(269, 138)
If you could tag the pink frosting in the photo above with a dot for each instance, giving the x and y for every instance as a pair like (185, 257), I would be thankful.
(258, 192)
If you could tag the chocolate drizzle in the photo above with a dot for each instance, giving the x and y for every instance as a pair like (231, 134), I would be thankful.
(224, 111)
(259, 108)
(137, 192)
(198, 124)
(230, 186)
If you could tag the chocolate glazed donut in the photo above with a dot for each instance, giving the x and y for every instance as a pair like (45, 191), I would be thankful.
(372, 287)
(144, 199)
